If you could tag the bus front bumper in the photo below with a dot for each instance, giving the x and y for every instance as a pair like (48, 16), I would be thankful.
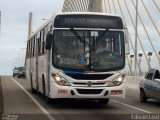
(86, 92)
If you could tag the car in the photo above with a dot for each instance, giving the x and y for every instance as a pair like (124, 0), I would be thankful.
(150, 85)
(15, 71)
(21, 72)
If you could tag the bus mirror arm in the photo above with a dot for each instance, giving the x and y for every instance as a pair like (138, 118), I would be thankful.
(49, 40)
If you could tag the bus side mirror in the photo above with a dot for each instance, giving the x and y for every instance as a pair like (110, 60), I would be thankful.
(126, 39)
(49, 40)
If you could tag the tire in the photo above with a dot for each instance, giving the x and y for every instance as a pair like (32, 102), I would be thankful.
(143, 98)
(48, 100)
(13, 75)
(32, 89)
(103, 101)
(43, 87)
(19, 76)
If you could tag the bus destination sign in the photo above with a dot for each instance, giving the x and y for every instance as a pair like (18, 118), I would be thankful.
(88, 21)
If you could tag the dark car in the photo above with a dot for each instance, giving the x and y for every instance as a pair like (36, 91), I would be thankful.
(15, 71)
(150, 85)
(21, 72)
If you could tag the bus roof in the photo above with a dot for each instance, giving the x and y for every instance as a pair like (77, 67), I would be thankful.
(50, 21)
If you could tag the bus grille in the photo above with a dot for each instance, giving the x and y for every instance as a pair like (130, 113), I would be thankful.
(85, 84)
(89, 91)
(89, 76)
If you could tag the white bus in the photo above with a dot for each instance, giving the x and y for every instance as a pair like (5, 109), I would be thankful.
(78, 55)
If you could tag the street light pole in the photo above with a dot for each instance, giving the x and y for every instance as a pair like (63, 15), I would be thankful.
(135, 66)
(131, 57)
(149, 60)
(139, 64)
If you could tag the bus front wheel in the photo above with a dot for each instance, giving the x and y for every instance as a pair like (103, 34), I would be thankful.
(48, 100)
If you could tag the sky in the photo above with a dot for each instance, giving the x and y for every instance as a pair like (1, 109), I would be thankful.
(14, 27)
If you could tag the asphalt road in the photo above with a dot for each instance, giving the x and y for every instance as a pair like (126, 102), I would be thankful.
(21, 104)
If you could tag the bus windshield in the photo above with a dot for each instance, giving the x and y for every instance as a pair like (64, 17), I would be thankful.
(88, 50)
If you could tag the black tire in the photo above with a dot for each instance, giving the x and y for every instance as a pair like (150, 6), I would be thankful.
(143, 98)
(13, 75)
(19, 76)
(43, 87)
(32, 89)
(48, 100)
(103, 101)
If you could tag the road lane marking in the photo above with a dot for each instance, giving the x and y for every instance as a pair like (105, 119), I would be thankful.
(132, 107)
(35, 101)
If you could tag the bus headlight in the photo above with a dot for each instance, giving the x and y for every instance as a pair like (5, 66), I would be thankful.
(117, 81)
(60, 80)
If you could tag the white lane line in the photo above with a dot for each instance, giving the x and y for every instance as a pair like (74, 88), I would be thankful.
(35, 101)
(132, 107)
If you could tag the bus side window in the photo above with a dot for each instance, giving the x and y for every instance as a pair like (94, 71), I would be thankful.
(42, 42)
(30, 52)
(34, 46)
(38, 45)
(27, 50)
(31, 47)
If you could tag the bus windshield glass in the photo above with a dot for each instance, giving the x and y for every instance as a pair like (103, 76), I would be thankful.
(84, 50)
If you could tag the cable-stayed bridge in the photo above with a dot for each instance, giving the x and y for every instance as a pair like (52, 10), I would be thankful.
(148, 35)
(88, 91)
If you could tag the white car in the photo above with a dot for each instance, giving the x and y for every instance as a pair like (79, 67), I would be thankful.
(15, 71)
(150, 85)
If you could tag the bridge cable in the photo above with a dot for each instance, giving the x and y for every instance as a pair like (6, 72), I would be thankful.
(137, 34)
(147, 33)
(126, 24)
(105, 8)
(109, 7)
(128, 34)
(114, 7)
(151, 18)
(156, 5)
(71, 6)
(129, 64)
